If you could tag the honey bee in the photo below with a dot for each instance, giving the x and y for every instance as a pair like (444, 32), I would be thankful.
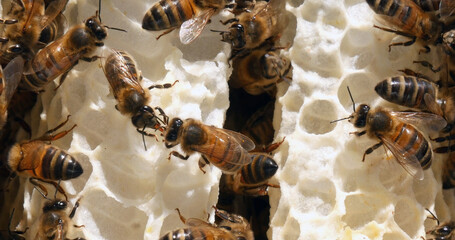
(260, 70)
(410, 20)
(442, 231)
(253, 28)
(227, 150)
(259, 127)
(232, 226)
(11, 77)
(54, 221)
(125, 80)
(190, 15)
(44, 162)
(22, 29)
(396, 131)
(419, 93)
(60, 56)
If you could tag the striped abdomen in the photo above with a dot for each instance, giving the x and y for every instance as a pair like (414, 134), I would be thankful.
(407, 91)
(53, 163)
(203, 233)
(413, 143)
(119, 67)
(262, 168)
(167, 14)
(428, 5)
(407, 16)
(53, 30)
(47, 65)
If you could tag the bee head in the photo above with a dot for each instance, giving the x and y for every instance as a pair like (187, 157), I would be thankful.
(442, 232)
(235, 36)
(146, 118)
(95, 26)
(274, 66)
(55, 206)
(448, 42)
(236, 224)
(173, 130)
(359, 117)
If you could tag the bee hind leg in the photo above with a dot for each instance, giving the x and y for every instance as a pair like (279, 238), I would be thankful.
(177, 154)
(34, 181)
(271, 147)
(408, 43)
(164, 33)
(371, 149)
(161, 86)
(48, 136)
(182, 218)
(358, 134)
(429, 66)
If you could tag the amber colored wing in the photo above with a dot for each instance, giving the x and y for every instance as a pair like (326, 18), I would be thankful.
(408, 161)
(11, 77)
(446, 8)
(193, 27)
(35, 11)
(241, 145)
(425, 121)
(121, 72)
(54, 9)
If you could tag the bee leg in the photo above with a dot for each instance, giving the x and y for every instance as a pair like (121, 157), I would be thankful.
(182, 218)
(370, 150)
(34, 181)
(164, 33)
(177, 154)
(73, 211)
(90, 59)
(24, 125)
(165, 120)
(8, 21)
(270, 148)
(161, 86)
(428, 65)
(143, 132)
(232, 20)
(358, 134)
(410, 72)
(426, 49)
(49, 137)
(203, 163)
(409, 43)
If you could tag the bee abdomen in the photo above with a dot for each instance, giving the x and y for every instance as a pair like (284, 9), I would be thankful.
(385, 7)
(413, 143)
(428, 5)
(407, 91)
(59, 165)
(259, 170)
(188, 234)
(167, 14)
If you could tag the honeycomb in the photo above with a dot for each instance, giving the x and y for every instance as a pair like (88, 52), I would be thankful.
(327, 192)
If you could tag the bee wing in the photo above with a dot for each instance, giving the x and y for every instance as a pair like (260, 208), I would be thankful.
(11, 77)
(54, 9)
(243, 140)
(193, 27)
(126, 71)
(427, 121)
(408, 161)
(36, 10)
(446, 8)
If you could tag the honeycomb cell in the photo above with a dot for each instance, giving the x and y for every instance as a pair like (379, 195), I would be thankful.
(315, 117)
(407, 216)
(291, 229)
(363, 208)
(362, 90)
(319, 196)
(107, 212)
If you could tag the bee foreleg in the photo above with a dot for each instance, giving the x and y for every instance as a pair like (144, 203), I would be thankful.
(182, 218)
(166, 85)
(164, 33)
(165, 117)
(177, 154)
(358, 134)
(73, 211)
(229, 21)
(371, 149)
(270, 148)
(43, 188)
(428, 65)
(63, 77)
(426, 49)
(48, 135)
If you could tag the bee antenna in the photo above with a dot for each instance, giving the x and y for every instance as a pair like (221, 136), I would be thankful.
(143, 138)
(42, 194)
(117, 29)
(341, 119)
(352, 99)
(99, 10)
(435, 218)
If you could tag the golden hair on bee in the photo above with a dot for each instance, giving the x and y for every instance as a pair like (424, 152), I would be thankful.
(226, 149)
(190, 15)
(125, 80)
(44, 162)
(232, 226)
(416, 25)
(397, 132)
